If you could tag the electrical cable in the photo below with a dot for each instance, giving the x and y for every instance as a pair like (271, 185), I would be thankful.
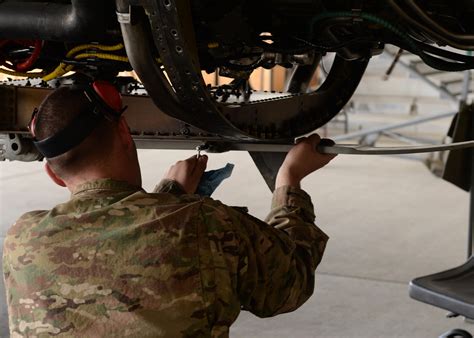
(103, 56)
(64, 68)
(105, 48)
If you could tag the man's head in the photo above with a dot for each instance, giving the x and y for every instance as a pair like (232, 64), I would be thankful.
(108, 152)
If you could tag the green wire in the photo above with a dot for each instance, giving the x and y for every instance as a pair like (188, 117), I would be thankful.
(429, 60)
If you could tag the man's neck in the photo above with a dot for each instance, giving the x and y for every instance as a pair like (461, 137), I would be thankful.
(78, 180)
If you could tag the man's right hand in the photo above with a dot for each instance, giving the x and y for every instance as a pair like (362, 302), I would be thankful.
(302, 160)
(188, 173)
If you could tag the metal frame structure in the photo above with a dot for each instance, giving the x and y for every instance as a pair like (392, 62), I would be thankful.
(241, 119)
(461, 98)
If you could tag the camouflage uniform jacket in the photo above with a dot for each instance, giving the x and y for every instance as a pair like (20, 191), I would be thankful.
(115, 261)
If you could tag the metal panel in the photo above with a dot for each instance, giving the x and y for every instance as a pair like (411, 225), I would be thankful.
(8, 102)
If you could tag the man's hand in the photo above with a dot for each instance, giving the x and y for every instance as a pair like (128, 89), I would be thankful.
(188, 173)
(302, 160)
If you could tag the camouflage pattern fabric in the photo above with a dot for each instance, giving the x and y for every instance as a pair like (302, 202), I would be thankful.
(115, 261)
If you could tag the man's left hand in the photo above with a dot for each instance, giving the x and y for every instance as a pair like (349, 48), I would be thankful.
(188, 173)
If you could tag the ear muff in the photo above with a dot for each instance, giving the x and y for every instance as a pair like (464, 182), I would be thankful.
(109, 95)
(105, 99)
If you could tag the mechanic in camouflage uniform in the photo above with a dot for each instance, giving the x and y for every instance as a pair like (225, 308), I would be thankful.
(116, 261)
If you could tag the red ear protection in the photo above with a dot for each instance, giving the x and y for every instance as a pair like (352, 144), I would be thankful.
(109, 94)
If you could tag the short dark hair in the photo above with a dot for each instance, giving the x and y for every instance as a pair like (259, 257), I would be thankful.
(56, 112)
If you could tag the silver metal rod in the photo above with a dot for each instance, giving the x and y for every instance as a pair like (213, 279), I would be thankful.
(350, 149)
(347, 149)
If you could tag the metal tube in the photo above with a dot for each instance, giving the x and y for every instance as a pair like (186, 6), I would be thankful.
(79, 21)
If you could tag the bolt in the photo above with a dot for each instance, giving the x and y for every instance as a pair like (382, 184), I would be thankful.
(185, 131)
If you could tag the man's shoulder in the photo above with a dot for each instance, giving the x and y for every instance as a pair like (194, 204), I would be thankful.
(29, 218)
(23, 226)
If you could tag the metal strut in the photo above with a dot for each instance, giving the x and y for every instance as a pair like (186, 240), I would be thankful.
(343, 149)
(363, 150)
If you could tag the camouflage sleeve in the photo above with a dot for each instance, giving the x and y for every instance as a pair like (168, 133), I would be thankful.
(169, 186)
(6, 271)
(276, 258)
(286, 255)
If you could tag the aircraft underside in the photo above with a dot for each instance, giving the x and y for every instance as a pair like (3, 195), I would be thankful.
(170, 44)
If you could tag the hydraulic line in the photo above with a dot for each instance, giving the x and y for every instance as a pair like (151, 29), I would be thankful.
(440, 29)
(425, 29)
(446, 53)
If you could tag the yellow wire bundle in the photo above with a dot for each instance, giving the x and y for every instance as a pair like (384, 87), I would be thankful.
(64, 68)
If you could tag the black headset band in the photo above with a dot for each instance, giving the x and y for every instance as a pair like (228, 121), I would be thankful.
(71, 136)
(79, 128)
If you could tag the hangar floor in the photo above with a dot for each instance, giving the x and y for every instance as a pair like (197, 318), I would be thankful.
(389, 220)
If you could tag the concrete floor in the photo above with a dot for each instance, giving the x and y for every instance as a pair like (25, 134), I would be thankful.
(389, 221)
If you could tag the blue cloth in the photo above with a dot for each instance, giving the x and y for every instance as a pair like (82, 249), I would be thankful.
(212, 179)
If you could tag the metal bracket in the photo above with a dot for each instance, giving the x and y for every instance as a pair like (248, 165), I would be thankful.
(124, 17)
(8, 101)
(14, 147)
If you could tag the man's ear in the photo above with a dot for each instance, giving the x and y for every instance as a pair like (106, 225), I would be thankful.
(56, 179)
(124, 132)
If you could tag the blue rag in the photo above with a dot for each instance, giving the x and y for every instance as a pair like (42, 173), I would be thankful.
(211, 180)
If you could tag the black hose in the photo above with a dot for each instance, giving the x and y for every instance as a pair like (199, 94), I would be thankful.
(82, 20)
(429, 31)
(432, 61)
(446, 53)
(440, 29)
